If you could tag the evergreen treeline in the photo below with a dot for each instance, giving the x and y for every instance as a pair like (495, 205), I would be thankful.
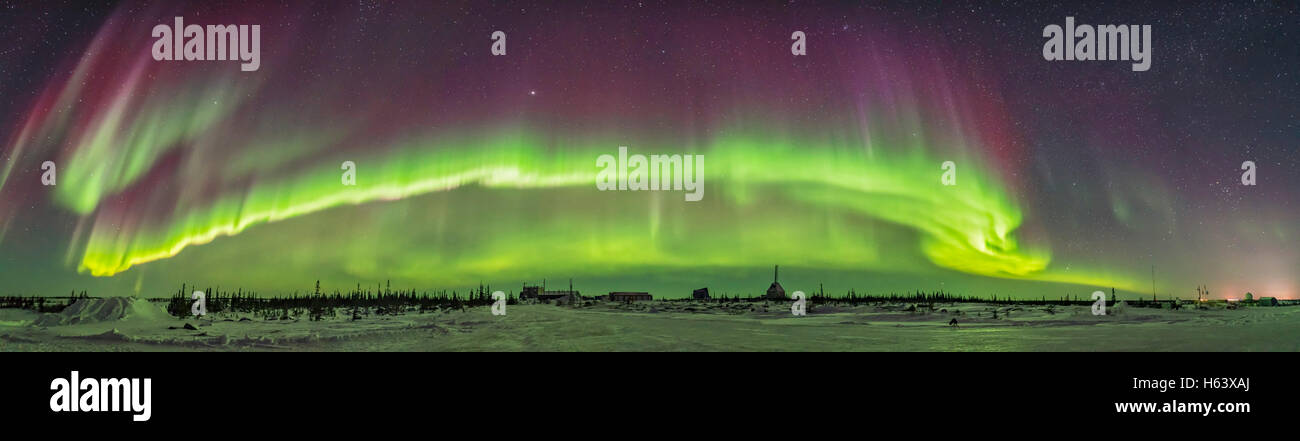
(41, 304)
(852, 297)
(383, 300)
(316, 305)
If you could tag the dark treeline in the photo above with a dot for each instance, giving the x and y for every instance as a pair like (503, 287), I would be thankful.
(41, 304)
(852, 297)
(316, 305)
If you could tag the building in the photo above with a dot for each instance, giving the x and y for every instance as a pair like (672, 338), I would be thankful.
(1266, 301)
(530, 292)
(700, 294)
(775, 292)
(535, 292)
(623, 296)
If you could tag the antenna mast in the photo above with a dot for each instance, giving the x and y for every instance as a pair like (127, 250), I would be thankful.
(1153, 283)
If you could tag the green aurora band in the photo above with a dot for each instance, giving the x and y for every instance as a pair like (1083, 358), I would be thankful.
(968, 227)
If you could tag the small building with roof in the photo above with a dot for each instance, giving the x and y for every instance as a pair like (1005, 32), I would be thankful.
(775, 291)
(628, 296)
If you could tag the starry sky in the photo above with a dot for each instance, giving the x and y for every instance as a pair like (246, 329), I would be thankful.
(1072, 176)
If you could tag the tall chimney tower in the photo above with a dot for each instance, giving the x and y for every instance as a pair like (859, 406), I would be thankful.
(776, 272)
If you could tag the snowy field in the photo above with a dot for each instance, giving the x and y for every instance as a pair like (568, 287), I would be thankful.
(120, 324)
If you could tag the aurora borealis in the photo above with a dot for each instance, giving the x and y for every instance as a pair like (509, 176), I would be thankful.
(479, 168)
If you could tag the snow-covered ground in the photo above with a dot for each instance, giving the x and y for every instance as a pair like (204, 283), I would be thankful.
(137, 325)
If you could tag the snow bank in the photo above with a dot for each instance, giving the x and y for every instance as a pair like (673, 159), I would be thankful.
(104, 310)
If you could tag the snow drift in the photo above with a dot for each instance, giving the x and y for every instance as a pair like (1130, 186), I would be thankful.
(104, 310)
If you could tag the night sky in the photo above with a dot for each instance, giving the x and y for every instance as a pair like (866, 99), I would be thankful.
(1072, 176)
